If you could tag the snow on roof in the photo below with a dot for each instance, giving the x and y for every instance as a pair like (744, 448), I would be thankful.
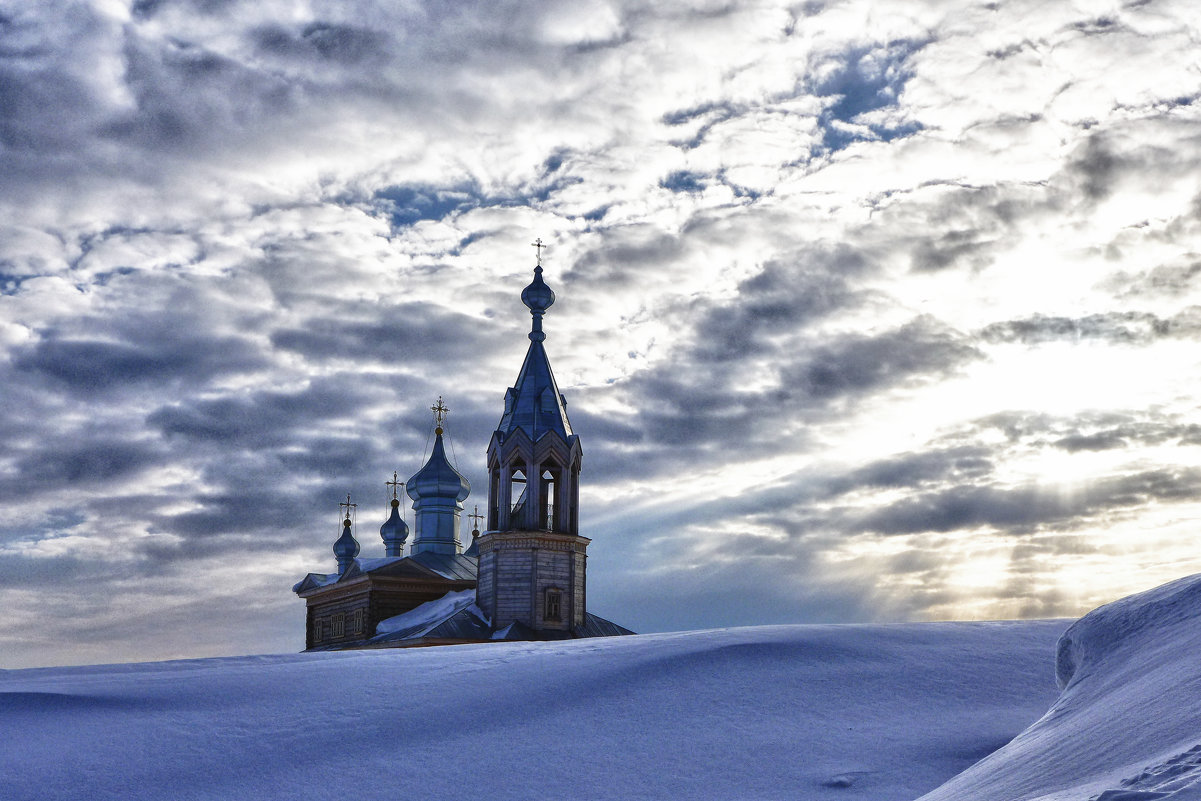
(367, 565)
(315, 580)
(425, 617)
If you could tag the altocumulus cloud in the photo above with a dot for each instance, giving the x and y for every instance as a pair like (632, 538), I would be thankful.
(861, 315)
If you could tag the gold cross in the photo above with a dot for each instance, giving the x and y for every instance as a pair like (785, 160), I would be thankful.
(477, 517)
(394, 484)
(348, 506)
(537, 243)
(439, 411)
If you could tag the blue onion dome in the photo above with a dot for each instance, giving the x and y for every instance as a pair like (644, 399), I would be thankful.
(347, 547)
(538, 296)
(394, 529)
(474, 548)
(438, 479)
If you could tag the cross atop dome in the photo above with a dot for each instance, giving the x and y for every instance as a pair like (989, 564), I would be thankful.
(538, 297)
(439, 410)
(346, 547)
(348, 507)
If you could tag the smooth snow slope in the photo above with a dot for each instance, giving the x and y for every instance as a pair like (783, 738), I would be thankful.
(799, 712)
(1128, 724)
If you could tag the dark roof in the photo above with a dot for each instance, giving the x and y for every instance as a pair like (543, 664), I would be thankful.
(596, 626)
(452, 567)
(534, 402)
(455, 566)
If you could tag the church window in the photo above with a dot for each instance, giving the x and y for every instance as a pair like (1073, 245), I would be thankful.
(339, 625)
(356, 625)
(318, 625)
(554, 605)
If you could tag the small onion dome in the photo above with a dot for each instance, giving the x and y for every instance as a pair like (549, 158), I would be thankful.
(394, 531)
(538, 296)
(474, 548)
(346, 548)
(438, 479)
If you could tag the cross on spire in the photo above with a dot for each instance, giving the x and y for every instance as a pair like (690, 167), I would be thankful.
(537, 243)
(439, 410)
(348, 506)
(395, 484)
(476, 517)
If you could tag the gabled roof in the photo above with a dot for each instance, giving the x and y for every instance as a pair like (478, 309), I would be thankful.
(451, 567)
(314, 580)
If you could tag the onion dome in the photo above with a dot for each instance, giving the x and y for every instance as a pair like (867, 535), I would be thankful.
(346, 548)
(437, 479)
(437, 490)
(394, 532)
(474, 548)
(539, 297)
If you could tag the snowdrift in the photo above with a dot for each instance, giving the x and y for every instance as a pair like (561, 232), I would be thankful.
(804, 712)
(1127, 726)
(884, 713)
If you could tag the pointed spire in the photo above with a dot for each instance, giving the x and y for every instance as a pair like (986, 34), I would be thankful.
(346, 548)
(534, 402)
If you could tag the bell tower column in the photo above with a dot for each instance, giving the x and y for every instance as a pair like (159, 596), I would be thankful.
(532, 561)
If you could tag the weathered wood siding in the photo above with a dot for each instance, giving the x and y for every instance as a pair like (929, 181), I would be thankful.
(484, 584)
(325, 615)
(554, 572)
(514, 568)
(518, 568)
(580, 589)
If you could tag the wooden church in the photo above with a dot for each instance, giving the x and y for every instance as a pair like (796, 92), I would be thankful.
(523, 578)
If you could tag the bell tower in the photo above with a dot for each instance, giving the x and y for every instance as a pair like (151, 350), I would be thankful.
(532, 561)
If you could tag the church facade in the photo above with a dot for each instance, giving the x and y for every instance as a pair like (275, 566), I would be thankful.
(523, 578)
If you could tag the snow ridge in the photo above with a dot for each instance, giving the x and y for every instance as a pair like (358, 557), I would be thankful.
(1127, 724)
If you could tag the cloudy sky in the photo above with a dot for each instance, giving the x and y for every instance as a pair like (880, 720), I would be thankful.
(867, 310)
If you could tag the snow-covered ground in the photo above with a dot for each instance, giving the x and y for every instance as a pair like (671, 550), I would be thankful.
(1128, 724)
(800, 712)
